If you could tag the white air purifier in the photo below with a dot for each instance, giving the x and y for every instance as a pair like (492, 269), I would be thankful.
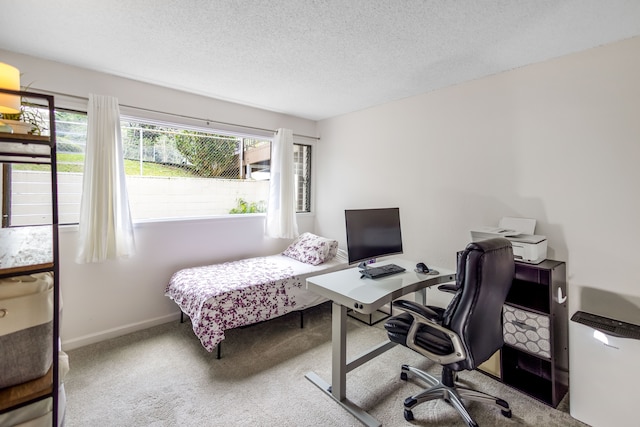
(605, 352)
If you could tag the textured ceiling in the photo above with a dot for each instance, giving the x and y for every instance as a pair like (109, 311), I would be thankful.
(311, 58)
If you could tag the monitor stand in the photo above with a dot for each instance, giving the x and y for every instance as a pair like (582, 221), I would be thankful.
(363, 266)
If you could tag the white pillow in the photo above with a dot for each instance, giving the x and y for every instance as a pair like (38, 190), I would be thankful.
(312, 249)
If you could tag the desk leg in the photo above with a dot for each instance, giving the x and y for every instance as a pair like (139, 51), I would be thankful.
(339, 351)
(421, 296)
(338, 387)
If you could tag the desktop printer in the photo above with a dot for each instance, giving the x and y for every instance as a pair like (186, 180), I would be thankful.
(527, 247)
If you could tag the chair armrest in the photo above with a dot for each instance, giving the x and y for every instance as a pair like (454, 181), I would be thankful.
(452, 289)
(419, 314)
(414, 307)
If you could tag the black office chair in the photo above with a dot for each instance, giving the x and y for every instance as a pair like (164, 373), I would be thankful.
(464, 335)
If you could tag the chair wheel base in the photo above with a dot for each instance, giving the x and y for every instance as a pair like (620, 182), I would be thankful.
(408, 415)
(403, 376)
(506, 411)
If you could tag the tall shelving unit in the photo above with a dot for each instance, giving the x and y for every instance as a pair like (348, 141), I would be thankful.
(538, 363)
(27, 250)
(535, 356)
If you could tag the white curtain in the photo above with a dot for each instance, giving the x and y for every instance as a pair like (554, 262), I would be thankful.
(281, 210)
(106, 229)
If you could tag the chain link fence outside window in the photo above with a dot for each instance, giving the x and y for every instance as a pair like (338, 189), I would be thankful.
(172, 172)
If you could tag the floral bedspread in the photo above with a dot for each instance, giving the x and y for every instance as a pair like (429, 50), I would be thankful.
(238, 293)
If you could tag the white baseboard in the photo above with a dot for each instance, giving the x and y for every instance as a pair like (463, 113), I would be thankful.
(117, 332)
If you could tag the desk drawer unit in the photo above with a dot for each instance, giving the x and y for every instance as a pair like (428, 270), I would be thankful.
(527, 331)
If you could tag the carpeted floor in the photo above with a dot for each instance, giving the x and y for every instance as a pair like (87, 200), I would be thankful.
(163, 377)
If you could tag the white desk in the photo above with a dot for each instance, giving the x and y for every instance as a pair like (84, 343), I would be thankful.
(347, 290)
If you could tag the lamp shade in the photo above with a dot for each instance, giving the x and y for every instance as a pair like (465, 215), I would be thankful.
(9, 79)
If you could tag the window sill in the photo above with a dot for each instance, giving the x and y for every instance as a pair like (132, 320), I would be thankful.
(153, 222)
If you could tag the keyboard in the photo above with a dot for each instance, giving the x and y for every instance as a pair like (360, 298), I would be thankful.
(382, 271)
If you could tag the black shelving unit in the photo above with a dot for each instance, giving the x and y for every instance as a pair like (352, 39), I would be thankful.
(25, 250)
(535, 356)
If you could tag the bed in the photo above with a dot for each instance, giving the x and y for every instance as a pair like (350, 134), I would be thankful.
(229, 295)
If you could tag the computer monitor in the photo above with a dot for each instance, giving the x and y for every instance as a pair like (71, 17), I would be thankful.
(372, 233)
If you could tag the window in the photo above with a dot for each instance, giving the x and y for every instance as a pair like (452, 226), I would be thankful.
(172, 172)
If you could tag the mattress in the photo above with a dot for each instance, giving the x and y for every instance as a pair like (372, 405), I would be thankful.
(224, 296)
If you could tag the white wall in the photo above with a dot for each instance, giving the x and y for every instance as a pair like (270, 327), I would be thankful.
(116, 297)
(52, 76)
(556, 141)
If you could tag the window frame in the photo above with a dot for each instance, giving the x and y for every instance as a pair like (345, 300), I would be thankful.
(179, 124)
